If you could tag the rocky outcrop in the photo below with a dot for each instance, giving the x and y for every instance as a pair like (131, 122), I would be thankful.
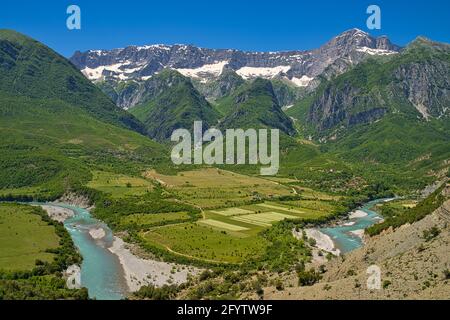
(427, 86)
(225, 85)
(75, 200)
(347, 106)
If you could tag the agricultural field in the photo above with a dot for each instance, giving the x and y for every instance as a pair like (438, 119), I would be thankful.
(222, 225)
(230, 225)
(262, 215)
(214, 188)
(149, 220)
(308, 193)
(119, 185)
(228, 235)
(309, 208)
(24, 238)
(196, 241)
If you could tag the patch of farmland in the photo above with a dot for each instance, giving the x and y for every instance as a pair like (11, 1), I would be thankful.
(249, 221)
(222, 225)
(24, 238)
(119, 185)
(263, 219)
(270, 206)
(212, 188)
(233, 212)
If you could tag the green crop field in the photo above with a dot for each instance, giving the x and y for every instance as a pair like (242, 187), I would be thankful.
(119, 185)
(24, 238)
(276, 207)
(266, 218)
(214, 188)
(222, 225)
(229, 235)
(232, 212)
(206, 243)
(148, 220)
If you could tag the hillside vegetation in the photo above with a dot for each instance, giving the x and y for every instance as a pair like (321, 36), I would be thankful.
(55, 126)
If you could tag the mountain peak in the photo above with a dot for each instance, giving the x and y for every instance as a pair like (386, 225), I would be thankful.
(356, 38)
(354, 31)
(353, 34)
(423, 42)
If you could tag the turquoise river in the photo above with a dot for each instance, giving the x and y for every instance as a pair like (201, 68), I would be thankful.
(101, 271)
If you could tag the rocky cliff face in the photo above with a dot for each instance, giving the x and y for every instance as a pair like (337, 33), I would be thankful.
(426, 86)
(226, 84)
(339, 106)
(414, 82)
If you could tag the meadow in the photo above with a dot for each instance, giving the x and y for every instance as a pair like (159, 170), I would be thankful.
(119, 185)
(206, 215)
(233, 235)
(195, 241)
(155, 219)
(24, 238)
(215, 188)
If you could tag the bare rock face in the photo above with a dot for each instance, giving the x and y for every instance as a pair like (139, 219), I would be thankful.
(76, 200)
(335, 106)
(426, 86)
(414, 82)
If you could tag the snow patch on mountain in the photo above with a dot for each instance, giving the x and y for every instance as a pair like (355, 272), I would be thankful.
(376, 52)
(301, 82)
(254, 72)
(154, 46)
(117, 70)
(204, 72)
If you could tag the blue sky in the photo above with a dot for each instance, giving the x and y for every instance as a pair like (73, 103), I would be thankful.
(248, 25)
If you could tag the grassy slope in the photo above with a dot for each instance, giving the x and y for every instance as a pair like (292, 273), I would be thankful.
(400, 150)
(176, 106)
(24, 238)
(55, 126)
(30, 69)
(49, 145)
(34, 251)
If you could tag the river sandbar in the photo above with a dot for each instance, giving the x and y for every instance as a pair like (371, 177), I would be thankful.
(97, 234)
(357, 214)
(58, 213)
(140, 272)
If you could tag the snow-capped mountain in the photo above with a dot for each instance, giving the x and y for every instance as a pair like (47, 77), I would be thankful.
(139, 63)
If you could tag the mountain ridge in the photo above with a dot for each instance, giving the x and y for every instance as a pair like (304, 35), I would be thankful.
(415, 81)
(56, 126)
(298, 67)
(169, 102)
(29, 68)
